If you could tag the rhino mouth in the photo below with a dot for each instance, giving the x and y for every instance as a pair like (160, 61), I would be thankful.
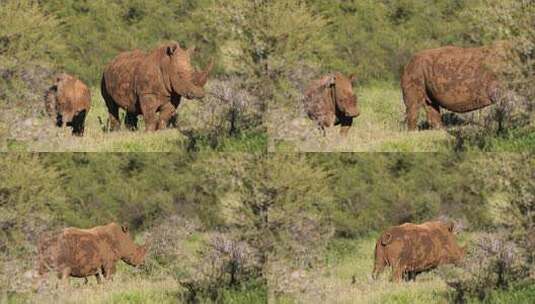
(352, 113)
(131, 262)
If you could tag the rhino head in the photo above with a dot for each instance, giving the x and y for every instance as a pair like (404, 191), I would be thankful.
(345, 99)
(183, 79)
(129, 252)
(454, 254)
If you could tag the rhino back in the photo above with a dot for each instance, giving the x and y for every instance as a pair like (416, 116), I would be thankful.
(415, 248)
(458, 78)
(83, 252)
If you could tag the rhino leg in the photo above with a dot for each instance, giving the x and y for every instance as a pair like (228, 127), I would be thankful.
(108, 270)
(397, 273)
(65, 274)
(78, 123)
(380, 260)
(167, 112)
(345, 125)
(130, 121)
(98, 277)
(412, 116)
(414, 97)
(378, 268)
(113, 111)
(434, 119)
(149, 105)
(113, 108)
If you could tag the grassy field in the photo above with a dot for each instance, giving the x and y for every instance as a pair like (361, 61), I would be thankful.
(379, 128)
(346, 278)
(96, 139)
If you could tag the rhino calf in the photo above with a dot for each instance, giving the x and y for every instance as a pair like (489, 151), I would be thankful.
(68, 101)
(330, 101)
(410, 249)
(82, 253)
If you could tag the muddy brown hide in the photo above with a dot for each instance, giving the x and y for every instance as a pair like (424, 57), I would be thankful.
(151, 84)
(68, 101)
(330, 101)
(88, 252)
(457, 79)
(410, 249)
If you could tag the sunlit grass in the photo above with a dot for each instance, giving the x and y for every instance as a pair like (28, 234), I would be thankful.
(379, 128)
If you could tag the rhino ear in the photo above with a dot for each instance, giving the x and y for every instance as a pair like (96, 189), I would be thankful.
(191, 50)
(171, 49)
(353, 78)
(124, 228)
(451, 226)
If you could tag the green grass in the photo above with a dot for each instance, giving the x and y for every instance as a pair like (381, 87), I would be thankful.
(515, 140)
(254, 292)
(524, 294)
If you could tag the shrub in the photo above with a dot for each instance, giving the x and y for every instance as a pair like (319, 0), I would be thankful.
(31, 200)
(226, 265)
(30, 40)
(493, 263)
(230, 112)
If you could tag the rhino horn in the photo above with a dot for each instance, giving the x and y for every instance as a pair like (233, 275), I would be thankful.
(201, 77)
